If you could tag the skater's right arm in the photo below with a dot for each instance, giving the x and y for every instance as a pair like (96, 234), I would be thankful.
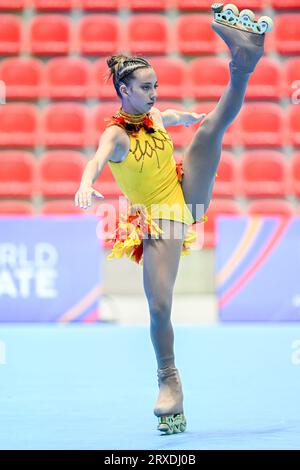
(113, 145)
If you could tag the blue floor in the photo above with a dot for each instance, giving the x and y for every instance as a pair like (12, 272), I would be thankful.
(87, 387)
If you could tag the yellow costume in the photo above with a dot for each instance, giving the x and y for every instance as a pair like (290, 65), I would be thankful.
(148, 176)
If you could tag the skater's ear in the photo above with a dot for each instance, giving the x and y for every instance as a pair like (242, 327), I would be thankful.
(123, 89)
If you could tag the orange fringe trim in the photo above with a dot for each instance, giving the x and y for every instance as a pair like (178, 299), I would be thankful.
(138, 224)
(179, 171)
(131, 229)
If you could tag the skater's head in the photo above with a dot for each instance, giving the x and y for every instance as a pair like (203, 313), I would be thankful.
(135, 82)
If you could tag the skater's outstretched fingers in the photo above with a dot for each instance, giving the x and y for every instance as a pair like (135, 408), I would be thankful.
(193, 118)
(83, 197)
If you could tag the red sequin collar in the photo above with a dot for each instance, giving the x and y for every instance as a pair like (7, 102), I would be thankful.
(132, 123)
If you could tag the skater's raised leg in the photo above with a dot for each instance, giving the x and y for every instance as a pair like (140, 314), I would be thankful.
(203, 155)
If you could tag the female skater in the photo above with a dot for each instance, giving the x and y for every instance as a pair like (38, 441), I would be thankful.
(139, 152)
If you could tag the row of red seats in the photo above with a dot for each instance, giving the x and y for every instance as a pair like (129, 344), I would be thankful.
(152, 34)
(139, 5)
(76, 125)
(201, 78)
(268, 207)
(280, 207)
(58, 173)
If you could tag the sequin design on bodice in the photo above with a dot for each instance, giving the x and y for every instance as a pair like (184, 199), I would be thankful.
(142, 149)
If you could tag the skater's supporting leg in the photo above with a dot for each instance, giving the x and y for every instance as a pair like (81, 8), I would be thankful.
(160, 266)
(169, 404)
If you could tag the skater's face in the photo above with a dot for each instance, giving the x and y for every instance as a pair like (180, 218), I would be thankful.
(141, 93)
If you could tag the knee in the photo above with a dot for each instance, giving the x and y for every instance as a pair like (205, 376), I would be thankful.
(160, 310)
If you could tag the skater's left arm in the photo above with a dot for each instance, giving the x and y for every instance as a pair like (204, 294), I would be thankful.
(173, 117)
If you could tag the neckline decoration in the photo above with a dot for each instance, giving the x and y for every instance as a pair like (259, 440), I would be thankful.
(132, 123)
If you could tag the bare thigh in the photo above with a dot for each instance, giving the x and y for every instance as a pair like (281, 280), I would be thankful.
(200, 164)
(161, 261)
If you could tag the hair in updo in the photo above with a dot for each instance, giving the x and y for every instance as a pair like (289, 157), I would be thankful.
(122, 68)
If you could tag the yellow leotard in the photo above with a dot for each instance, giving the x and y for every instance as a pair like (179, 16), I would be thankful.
(148, 176)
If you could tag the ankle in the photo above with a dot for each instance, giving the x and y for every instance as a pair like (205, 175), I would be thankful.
(238, 73)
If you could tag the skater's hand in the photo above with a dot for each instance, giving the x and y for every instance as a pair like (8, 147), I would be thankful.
(193, 118)
(83, 197)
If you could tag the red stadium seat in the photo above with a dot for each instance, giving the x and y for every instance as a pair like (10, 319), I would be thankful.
(270, 207)
(147, 34)
(60, 172)
(97, 122)
(291, 76)
(67, 77)
(262, 124)
(10, 34)
(98, 85)
(196, 36)
(100, 5)
(171, 77)
(148, 5)
(295, 174)
(226, 179)
(99, 34)
(231, 137)
(266, 80)
(263, 174)
(106, 184)
(193, 4)
(22, 77)
(180, 135)
(64, 207)
(285, 4)
(48, 5)
(17, 174)
(12, 4)
(18, 125)
(218, 207)
(206, 4)
(287, 33)
(64, 125)
(252, 4)
(50, 35)
(15, 208)
(293, 119)
(207, 77)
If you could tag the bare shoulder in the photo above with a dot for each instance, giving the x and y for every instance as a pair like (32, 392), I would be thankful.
(117, 137)
(115, 134)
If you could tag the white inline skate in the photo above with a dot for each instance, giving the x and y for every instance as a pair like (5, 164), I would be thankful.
(244, 36)
(245, 19)
(169, 404)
